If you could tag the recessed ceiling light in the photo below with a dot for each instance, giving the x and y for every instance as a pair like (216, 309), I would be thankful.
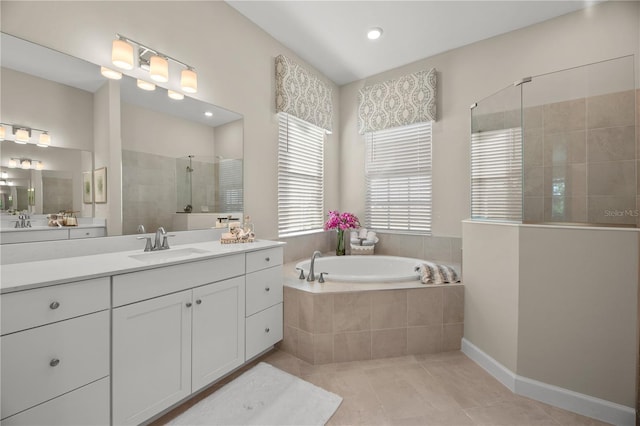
(374, 33)
(208, 114)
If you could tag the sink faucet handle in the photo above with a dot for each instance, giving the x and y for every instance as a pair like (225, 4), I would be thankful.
(148, 246)
(321, 279)
(301, 277)
(141, 229)
(165, 241)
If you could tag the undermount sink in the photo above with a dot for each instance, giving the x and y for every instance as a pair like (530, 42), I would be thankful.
(170, 254)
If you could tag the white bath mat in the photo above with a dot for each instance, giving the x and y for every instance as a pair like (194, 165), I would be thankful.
(263, 395)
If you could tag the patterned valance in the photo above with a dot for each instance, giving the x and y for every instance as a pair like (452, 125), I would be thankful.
(407, 100)
(302, 94)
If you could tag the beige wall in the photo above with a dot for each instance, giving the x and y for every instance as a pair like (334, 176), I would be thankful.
(229, 139)
(233, 57)
(578, 310)
(470, 73)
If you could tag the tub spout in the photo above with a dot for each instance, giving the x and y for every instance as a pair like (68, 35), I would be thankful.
(311, 277)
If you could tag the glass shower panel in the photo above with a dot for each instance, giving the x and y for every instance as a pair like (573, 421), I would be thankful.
(496, 156)
(580, 153)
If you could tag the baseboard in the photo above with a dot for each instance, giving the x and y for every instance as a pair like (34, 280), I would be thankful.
(585, 405)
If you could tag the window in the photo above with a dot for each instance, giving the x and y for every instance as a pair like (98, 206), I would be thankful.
(300, 176)
(496, 175)
(230, 192)
(398, 179)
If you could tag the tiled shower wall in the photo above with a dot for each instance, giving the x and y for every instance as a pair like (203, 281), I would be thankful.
(580, 160)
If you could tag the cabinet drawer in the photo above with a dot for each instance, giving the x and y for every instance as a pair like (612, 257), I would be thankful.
(263, 330)
(262, 259)
(264, 289)
(31, 308)
(137, 286)
(52, 234)
(30, 374)
(85, 232)
(88, 406)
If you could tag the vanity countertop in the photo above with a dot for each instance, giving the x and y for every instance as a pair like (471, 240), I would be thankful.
(51, 228)
(28, 275)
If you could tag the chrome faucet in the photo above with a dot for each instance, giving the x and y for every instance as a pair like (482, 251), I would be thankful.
(311, 277)
(161, 239)
(23, 221)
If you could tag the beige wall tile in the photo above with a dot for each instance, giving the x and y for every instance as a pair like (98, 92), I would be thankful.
(534, 181)
(533, 209)
(388, 309)
(612, 178)
(532, 117)
(424, 339)
(354, 346)
(456, 250)
(352, 312)
(615, 109)
(565, 147)
(611, 144)
(453, 304)
(305, 311)
(322, 348)
(565, 116)
(388, 343)
(613, 210)
(452, 336)
(322, 313)
(305, 346)
(425, 306)
(437, 248)
(565, 209)
(533, 144)
(290, 307)
(574, 177)
(289, 342)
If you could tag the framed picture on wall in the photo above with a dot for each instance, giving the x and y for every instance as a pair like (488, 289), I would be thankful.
(87, 190)
(100, 185)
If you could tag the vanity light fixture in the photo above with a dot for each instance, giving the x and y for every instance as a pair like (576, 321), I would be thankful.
(110, 74)
(3, 182)
(13, 163)
(175, 95)
(2, 133)
(374, 33)
(145, 85)
(4, 175)
(157, 63)
(25, 164)
(44, 140)
(22, 135)
(39, 165)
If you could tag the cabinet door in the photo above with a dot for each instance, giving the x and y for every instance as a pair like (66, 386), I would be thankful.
(151, 356)
(218, 330)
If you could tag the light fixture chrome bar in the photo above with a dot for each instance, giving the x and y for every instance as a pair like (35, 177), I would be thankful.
(522, 81)
(154, 51)
(19, 126)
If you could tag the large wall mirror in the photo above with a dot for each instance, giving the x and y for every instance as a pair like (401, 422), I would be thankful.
(182, 160)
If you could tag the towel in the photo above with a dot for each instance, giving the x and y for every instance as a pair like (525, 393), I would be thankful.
(431, 273)
(354, 238)
(362, 233)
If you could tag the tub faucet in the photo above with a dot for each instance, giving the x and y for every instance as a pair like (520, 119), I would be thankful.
(311, 277)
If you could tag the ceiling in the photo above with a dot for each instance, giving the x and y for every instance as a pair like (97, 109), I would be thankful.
(331, 35)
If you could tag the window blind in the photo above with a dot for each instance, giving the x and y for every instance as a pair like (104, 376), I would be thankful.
(230, 192)
(300, 176)
(398, 179)
(496, 175)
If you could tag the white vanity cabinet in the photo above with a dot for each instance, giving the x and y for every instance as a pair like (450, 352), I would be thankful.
(264, 322)
(167, 347)
(55, 354)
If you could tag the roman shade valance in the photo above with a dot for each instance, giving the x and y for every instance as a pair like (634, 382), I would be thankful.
(301, 94)
(408, 100)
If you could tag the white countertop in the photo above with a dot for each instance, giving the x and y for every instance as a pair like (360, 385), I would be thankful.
(50, 228)
(27, 275)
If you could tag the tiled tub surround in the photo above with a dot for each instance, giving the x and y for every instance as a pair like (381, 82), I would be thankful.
(338, 322)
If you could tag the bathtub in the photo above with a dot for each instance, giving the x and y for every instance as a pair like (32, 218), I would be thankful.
(364, 269)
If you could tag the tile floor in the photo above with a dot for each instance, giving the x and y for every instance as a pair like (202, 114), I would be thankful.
(439, 389)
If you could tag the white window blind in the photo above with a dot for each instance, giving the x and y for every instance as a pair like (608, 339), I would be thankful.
(398, 179)
(300, 176)
(496, 175)
(230, 191)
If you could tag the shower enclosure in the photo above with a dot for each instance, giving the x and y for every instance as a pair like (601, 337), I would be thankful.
(559, 148)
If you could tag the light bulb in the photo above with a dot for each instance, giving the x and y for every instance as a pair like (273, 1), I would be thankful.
(159, 69)
(189, 81)
(22, 136)
(2, 133)
(39, 165)
(110, 74)
(25, 164)
(13, 163)
(44, 140)
(122, 54)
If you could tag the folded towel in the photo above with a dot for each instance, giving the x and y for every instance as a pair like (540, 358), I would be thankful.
(371, 236)
(362, 233)
(368, 242)
(431, 273)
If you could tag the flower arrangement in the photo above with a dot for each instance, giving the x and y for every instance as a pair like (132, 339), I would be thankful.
(341, 222)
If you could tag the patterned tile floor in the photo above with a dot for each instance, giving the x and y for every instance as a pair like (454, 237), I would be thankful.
(440, 389)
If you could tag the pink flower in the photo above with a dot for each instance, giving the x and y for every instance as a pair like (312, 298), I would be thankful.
(341, 221)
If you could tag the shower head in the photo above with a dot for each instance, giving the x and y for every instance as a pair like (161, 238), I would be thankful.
(189, 169)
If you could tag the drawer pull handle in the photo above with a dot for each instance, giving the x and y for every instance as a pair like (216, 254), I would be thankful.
(198, 302)
(267, 289)
(266, 330)
(188, 304)
(267, 259)
(54, 362)
(54, 305)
